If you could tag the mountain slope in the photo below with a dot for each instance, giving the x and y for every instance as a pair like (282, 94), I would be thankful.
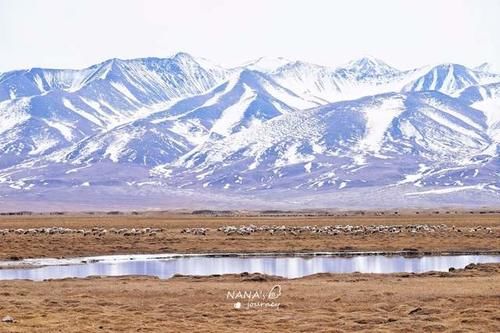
(62, 107)
(250, 97)
(487, 99)
(343, 144)
(242, 102)
(31, 128)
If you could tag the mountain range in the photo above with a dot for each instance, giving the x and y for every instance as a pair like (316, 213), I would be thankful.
(183, 132)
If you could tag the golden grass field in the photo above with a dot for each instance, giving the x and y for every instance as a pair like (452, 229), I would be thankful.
(459, 301)
(172, 240)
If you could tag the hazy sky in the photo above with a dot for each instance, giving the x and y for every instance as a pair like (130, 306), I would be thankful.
(78, 33)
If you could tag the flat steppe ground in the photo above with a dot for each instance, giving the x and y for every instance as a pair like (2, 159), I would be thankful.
(171, 239)
(460, 301)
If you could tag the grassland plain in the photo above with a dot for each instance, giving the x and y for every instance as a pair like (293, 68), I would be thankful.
(460, 301)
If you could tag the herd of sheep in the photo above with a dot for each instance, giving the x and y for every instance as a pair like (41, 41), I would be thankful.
(252, 229)
(336, 229)
(96, 231)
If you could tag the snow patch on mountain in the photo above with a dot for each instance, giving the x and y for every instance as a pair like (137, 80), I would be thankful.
(378, 120)
(447, 190)
(491, 109)
(67, 103)
(486, 98)
(66, 129)
(234, 114)
(13, 113)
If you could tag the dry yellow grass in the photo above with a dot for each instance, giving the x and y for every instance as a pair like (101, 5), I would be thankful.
(172, 240)
(461, 301)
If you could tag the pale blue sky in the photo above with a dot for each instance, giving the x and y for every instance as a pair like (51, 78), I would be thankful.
(78, 33)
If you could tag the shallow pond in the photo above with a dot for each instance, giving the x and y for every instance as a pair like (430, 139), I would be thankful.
(289, 266)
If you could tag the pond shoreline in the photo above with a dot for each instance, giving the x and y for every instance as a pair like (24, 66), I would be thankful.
(38, 262)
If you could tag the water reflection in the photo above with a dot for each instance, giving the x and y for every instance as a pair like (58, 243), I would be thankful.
(289, 267)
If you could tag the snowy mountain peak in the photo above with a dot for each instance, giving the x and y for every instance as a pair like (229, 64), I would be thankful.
(266, 64)
(367, 60)
(488, 68)
(447, 78)
(370, 66)
(183, 56)
(104, 69)
(188, 59)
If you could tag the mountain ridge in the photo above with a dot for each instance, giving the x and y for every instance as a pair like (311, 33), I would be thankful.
(186, 124)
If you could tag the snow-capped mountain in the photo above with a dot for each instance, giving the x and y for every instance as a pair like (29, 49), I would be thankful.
(450, 79)
(61, 107)
(370, 67)
(248, 99)
(140, 80)
(272, 127)
(358, 78)
(341, 144)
